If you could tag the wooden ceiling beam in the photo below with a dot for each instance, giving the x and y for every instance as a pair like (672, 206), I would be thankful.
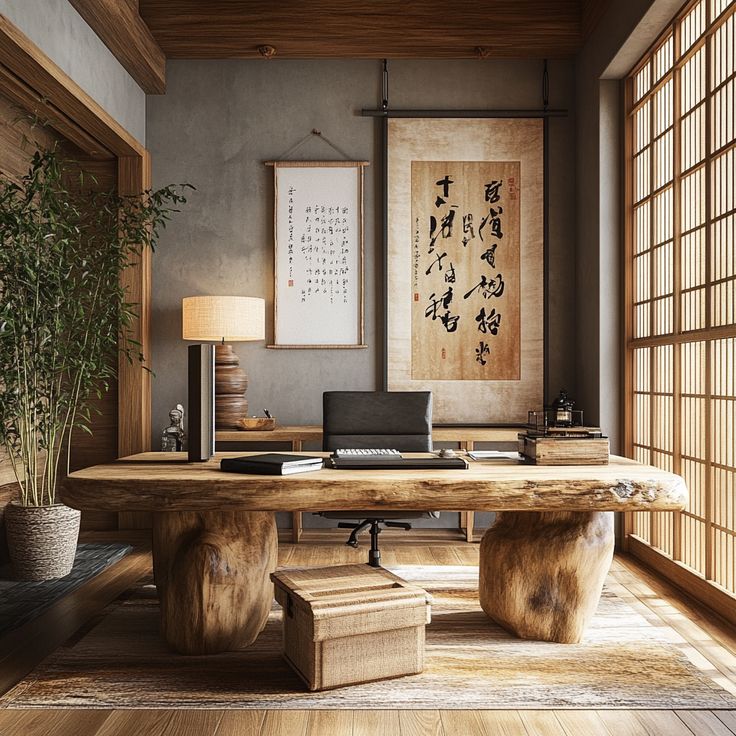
(24, 59)
(591, 12)
(121, 29)
(365, 29)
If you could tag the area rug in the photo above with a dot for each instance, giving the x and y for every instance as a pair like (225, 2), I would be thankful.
(624, 662)
(21, 602)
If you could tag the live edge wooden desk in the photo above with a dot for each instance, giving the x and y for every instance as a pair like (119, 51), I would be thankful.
(542, 564)
(297, 435)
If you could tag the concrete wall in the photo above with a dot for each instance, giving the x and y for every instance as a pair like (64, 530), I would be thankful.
(61, 33)
(221, 119)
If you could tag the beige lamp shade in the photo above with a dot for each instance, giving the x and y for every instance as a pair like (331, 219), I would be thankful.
(223, 318)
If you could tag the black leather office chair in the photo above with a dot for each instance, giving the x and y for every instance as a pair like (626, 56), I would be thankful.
(398, 420)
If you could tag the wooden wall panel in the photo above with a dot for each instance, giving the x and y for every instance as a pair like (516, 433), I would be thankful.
(19, 138)
(39, 78)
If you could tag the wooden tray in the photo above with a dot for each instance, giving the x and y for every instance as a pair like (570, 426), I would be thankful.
(256, 423)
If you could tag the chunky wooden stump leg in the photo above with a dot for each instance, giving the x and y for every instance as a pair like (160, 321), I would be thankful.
(541, 574)
(212, 574)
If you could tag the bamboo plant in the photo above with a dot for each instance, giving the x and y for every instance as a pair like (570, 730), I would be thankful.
(64, 315)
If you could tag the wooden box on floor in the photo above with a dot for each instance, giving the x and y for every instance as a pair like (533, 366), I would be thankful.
(352, 623)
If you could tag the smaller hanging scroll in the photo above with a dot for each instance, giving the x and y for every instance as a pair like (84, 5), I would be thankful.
(318, 254)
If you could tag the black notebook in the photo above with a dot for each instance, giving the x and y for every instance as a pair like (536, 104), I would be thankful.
(272, 463)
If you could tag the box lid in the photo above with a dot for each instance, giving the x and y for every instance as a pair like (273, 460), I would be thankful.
(350, 599)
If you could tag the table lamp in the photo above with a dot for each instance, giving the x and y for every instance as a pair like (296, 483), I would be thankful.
(225, 319)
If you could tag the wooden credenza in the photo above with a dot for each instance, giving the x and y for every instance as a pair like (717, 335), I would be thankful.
(297, 435)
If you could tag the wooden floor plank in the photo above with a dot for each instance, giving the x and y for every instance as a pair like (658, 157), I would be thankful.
(24, 722)
(160, 723)
(329, 722)
(420, 723)
(194, 723)
(728, 718)
(501, 722)
(241, 723)
(125, 722)
(444, 556)
(582, 723)
(465, 722)
(541, 722)
(375, 723)
(283, 722)
(704, 721)
(622, 722)
(663, 723)
(54, 722)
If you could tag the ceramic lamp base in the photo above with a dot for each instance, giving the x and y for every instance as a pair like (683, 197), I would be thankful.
(230, 387)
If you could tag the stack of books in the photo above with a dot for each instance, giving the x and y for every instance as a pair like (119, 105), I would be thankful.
(272, 463)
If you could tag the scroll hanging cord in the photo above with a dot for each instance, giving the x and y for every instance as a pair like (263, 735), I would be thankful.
(545, 86)
(308, 136)
(384, 86)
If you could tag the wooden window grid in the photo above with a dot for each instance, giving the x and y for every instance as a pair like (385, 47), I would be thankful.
(680, 287)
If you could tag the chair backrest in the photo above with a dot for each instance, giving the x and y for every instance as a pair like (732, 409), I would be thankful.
(399, 420)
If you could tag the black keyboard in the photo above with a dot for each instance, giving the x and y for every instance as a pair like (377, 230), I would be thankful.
(375, 462)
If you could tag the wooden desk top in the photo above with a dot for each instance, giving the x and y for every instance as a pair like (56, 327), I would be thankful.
(147, 482)
(313, 433)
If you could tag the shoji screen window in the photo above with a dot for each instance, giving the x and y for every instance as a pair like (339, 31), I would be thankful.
(681, 290)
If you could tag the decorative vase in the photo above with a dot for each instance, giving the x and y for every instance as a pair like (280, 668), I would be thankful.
(42, 540)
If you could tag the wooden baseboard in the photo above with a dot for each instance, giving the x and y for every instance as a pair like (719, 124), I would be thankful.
(720, 601)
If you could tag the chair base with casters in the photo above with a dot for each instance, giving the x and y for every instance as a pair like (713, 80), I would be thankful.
(374, 555)
(360, 520)
(399, 420)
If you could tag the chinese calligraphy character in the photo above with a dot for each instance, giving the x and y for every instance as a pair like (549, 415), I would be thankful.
(495, 223)
(449, 321)
(433, 233)
(488, 287)
(481, 351)
(488, 322)
(490, 256)
(438, 261)
(492, 194)
(445, 184)
(445, 300)
(447, 221)
(450, 274)
(468, 228)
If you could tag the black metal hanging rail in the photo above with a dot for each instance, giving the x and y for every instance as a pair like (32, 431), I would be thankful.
(381, 113)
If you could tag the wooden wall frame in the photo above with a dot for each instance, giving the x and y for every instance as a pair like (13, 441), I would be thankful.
(45, 88)
(495, 141)
(279, 248)
(670, 543)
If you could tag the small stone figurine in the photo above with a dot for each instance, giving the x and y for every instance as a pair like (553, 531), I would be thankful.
(173, 436)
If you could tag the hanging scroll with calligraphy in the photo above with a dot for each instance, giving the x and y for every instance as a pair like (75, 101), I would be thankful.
(465, 265)
(318, 254)
(465, 271)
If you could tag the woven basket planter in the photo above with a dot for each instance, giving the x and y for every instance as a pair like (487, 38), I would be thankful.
(42, 540)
